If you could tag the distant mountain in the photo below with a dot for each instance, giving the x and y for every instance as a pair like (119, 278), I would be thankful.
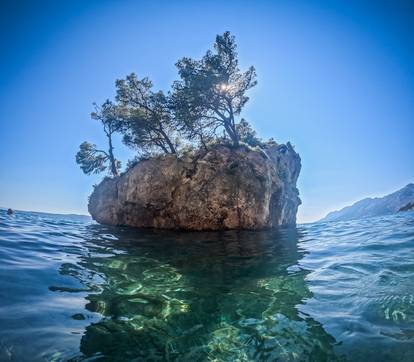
(377, 206)
(42, 213)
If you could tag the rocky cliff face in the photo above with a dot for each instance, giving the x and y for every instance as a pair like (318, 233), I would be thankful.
(225, 188)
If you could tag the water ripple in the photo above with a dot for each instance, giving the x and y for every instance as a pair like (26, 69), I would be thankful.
(74, 290)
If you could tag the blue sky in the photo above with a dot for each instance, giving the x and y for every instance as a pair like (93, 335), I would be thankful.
(335, 78)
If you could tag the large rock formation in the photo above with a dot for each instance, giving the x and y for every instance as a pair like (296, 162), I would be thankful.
(224, 188)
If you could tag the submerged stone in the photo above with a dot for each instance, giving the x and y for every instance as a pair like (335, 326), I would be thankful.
(78, 317)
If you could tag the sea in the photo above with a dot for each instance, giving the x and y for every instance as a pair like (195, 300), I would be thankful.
(74, 290)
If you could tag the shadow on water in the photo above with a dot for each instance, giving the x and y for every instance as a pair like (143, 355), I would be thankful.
(228, 296)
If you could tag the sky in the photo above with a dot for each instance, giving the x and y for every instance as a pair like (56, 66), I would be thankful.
(335, 78)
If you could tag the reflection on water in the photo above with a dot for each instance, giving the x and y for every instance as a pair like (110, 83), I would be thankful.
(73, 290)
(198, 296)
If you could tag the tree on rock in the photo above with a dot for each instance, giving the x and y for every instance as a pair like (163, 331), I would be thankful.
(94, 160)
(203, 107)
(212, 91)
(149, 122)
(247, 134)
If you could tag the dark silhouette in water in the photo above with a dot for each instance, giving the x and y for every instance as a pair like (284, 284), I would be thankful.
(199, 296)
(10, 212)
(408, 207)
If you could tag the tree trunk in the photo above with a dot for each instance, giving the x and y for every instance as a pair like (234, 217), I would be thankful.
(232, 133)
(169, 143)
(236, 137)
(114, 170)
(232, 125)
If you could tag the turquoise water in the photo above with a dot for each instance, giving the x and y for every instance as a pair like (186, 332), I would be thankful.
(74, 290)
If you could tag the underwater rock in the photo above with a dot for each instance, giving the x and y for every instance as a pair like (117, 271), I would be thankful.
(222, 188)
(78, 317)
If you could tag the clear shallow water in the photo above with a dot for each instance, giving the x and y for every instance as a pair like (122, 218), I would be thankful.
(74, 290)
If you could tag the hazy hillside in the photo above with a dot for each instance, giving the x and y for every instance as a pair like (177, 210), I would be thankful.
(378, 206)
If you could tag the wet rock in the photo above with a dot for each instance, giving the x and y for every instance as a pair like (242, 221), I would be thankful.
(78, 317)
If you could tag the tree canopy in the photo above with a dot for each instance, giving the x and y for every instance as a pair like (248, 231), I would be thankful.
(212, 91)
(94, 160)
(149, 122)
(202, 107)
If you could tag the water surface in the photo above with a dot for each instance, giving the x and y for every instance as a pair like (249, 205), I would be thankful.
(74, 290)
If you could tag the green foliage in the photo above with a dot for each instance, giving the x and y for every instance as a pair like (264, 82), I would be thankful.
(202, 108)
(271, 142)
(149, 122)
(135, 161)
(91, 159)
(212, 92)
(247, 134)
(109, 115)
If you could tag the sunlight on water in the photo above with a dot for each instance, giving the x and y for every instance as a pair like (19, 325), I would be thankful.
(74, 290)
